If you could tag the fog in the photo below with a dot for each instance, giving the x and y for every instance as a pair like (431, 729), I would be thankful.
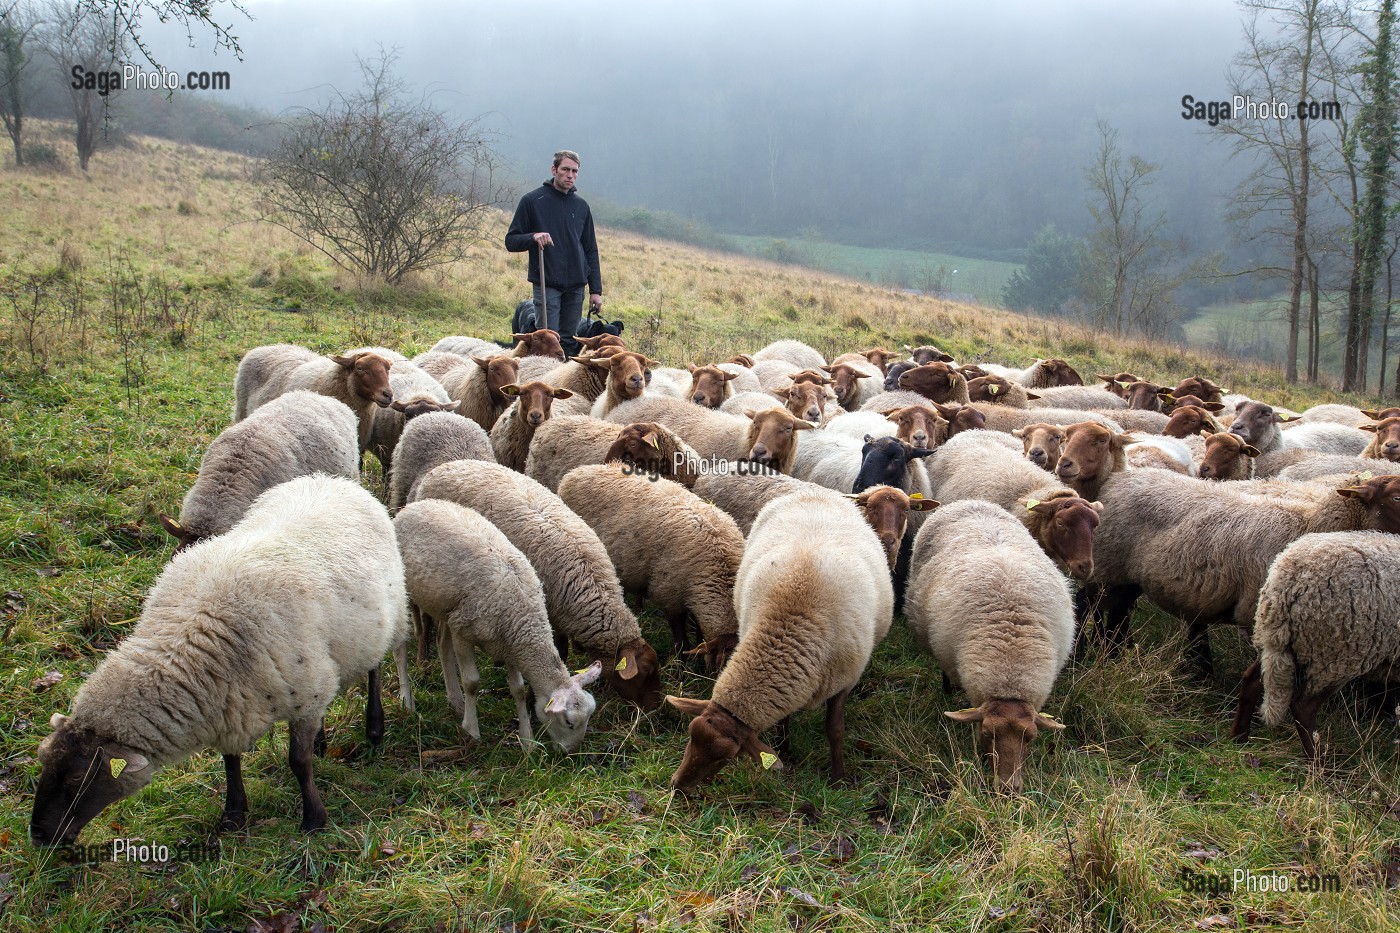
(929, 125)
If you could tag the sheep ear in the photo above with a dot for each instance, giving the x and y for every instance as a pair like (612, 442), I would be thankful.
(691, 367)
(803, 425)
(563, 393)
(827, 369)
(650, 438)
(783, 393)
(916, 452)
(973, 714)
(1350, 493)
(993, 388)
(761, 752)
(728, 375)
(688, 706)
(347, 361)
(122, 760)
(917, 503)
(511, 390)
(1373, 426)
(861, 375)
(627, 664)
(1046, 721)
(589, 674)
(1250, 450)
(398, 406)
(57, 720)
(1122, 384)
(1285, 419)
(484, 364)
(173, 527)
(599, 362)
(749, 412)
(519, 336)
(1032, 396)
(1097, 506)
(1371, 413)
(1214, 407)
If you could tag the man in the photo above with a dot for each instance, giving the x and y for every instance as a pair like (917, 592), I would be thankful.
(555, 217)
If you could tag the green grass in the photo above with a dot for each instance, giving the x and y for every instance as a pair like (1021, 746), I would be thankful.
(105, 418)
(898, 268)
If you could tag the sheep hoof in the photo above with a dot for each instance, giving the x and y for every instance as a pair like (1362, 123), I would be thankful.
(233, 821)
(312, 827)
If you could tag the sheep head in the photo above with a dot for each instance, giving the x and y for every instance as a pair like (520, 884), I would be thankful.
(628, 372)
(420, 405)
(937, 381)
(1381, 497)
(895, 371)
(716, 737)
(1380, 414)
(533, 401)
(927, 354)
(884, 461)
(772, 438)
(880, 358)
(1005, 730)
(1042, 443)
(1228, 456)
(1201, 387)
(887, 509)
(600, 341)
(1090, 454)
(1186, 420)
(844, 377)
(1145, 396)
(500, 371)
(81, 774)
(1064, 527)
(918, 425)
(961, 418)
(1054, 372)
(1386, 444)
(1119, 382)
(804, 400)
(542, 342)
(636, 674)
(709, 385)
(368, 377)
(566, 711)
(1254, 420)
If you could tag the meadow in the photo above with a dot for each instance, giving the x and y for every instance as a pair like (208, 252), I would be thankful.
(127, 299)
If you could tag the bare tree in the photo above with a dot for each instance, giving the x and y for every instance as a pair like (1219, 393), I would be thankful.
(17, 22)
(89, 56)
(381, 184)
(124, 20)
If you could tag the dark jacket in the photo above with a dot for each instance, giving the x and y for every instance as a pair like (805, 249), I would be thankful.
(573, 259)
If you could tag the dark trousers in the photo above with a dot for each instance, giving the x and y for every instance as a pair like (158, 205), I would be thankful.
(565, 307)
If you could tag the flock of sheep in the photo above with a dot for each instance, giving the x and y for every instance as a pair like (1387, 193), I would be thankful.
(777, 509)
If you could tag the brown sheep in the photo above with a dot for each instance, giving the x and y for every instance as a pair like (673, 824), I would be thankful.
(1090, 455)
(1188, 420)
(919, 425)
(1201, 387)
(1145, 396)
(1386, 444)
(936, 381)
(710, 385)
(997, 390)
(628, 375)
(1118, 383)
(511, 434)
(1043, 444)
(1228, 457)
(542, 342)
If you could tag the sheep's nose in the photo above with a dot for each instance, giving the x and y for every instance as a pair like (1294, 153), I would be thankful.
(1037, 455)
(1081, 569)
(698, 398)
(1204, 471)
(813, 414)
(759, 452)
(536, 417)
(920, 439)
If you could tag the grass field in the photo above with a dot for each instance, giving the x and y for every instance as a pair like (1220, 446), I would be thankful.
(128, 298)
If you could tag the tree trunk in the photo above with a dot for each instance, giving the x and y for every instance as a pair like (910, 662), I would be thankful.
(1314, 322)
(1385, 328)
(1300, 253)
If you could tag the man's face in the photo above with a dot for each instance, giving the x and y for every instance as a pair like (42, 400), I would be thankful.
(565, 175)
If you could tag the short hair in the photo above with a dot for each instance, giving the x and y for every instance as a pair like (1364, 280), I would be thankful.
(563, 154)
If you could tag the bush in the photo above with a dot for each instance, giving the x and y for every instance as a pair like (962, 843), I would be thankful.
(44, 157)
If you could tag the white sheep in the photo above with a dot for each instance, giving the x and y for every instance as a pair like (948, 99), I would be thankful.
(667, 544)
(743, 489)
(794, 352)
(813, 596)
(360, 381)
(463, 573)
(769, 437)
(267, 622)
(415, 393)
(431, 441)
(581, 589)
(997, 616)
(568, 441)
(477, 386)
(1084, 398)
(296, 434)
(465, 346)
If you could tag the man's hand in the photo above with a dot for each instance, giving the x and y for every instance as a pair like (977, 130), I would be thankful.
(595, 302)
(544, 239)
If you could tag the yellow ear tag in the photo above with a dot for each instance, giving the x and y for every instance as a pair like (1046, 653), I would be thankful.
(621, 665)
(994, 389)
(768, 759)
(582, 670)
(1368, 475)
(1031, 504)
(917, 495)
(118, 766)
(1123, 385)
(655, 443)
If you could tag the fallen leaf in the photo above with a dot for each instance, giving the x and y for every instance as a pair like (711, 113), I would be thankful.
(47, 571)
(1199, 852)
(637, 802)
(802, 897)
(748, 873)
(14, 601)
(1252, 760)
(41, 684)
(596, 816)
(1215, 922)
(999, 913)
(842, 849)
(695, 899)
(475, 829)
(278, 923)
(792, 853)
(809, 812)
(435, 757)
(5, 838)
(66, 652)
(642, 921)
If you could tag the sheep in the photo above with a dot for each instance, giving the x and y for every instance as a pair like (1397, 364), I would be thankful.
(878, 357)
(742, 359)
(542, 342)
(1325, 437)
(585, 381)
(928, 354)
(895, 371)
(711, 385)
(1201, 551)
(742, 489)
(1042, 374)
(1258, 424)
(1003, 419)
(995, 390)
(919, 425)
(1348, 415)
(595, 344)
(431, 441)
(1190, 420)
(768, 437)
(1145, 396)
(464, 346)
(1085, 398)
(1228, 458)
(668, 544)
(1386, 444)
(808, 397)
(360, 382)
(1091, 454)
(813, 597)
(857, 424)
(1161, 453)
(938, 382)
(393, 356)
(628, 375)
(295, 434)
(415, 393)
(1201, 387)
(792, 351)
(997, 616)
(581, 590)
(855, 382)
(744, 379)
(221, 653)
(1327, 615)
(461, 571)
(569, 441)
(1326, 465)
(511, 434)
(758, 401)
(1118, 383)
(478, 387)
(1042, 443)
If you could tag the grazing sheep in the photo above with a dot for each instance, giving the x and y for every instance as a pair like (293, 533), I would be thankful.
(511, 434)
(431, 441)
(296, 434)
(542, 342)
(464, 346)
(669, 545)
(791, 351)
(1228, 458)
(1201, 551)
(768, 437)
(994, 390)
(1386, 444)
(581, 590)
(937, 382)
(814, 598)
(742, 489)
(415, 393)
(360, 381)
(628, 375)
(855, 382)
(478, 387)
(997, 616)
(569, 441)
(1084, 398)
(1329, 613)
(461, 571)
(221, 654)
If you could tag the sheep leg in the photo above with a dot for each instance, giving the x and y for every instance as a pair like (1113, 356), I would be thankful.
(784, 743)
(561, 644)
(302, 734)
(947, 684)
(680, 638)
(836, 734)
(516, 681)
(374, 711)
(235, 815)
(448, 655)
(405, 688)
(424, 625)
(1304, 711)
(471, 679)
(1251, 691)
(319, 747)
(1198, 654)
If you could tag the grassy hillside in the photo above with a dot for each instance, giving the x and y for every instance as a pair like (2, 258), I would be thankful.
(128, 298)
